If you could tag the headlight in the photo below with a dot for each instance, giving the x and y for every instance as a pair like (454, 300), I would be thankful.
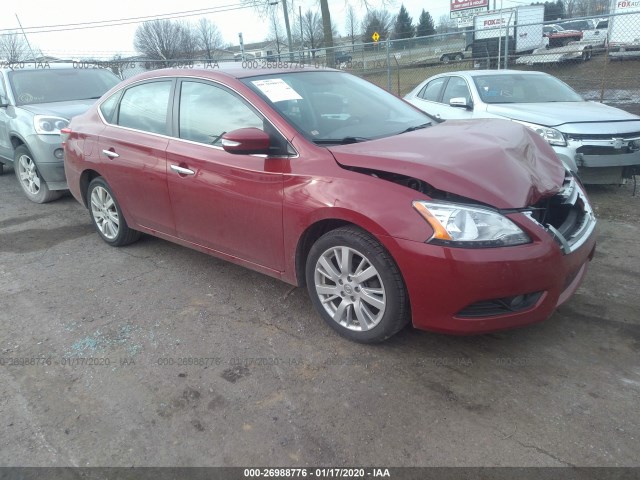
(551, 135)
(46, 125)
(457, 225)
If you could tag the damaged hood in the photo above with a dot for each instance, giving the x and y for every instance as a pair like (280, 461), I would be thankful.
(496, 162)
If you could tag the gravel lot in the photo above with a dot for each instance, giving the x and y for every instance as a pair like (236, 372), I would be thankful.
(272, 384)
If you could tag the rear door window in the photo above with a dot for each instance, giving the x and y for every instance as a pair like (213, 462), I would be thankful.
(431, 91)
(145, 107)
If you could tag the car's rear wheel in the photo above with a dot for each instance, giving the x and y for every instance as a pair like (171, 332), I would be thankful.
(356, 286)
(458, 57)
(33, 185)
(107, 216)
(445, 59)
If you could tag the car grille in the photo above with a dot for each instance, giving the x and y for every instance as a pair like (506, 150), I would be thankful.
(567, 216)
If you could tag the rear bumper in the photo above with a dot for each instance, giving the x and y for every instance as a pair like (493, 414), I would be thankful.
(442, 282)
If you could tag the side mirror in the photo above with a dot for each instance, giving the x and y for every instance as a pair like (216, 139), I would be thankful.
(246, 141)
(460, 102)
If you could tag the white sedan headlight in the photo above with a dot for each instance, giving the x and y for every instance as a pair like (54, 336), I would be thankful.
(48, 125)
(458, 225)
(551, 135)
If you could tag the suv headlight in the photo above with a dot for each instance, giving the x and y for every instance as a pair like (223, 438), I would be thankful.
(47, 125)
(458, 225)
(551, 135)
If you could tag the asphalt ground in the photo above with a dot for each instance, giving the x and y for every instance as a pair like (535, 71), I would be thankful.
(154, 354)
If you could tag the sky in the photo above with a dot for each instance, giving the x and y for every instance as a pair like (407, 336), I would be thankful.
(104, 42)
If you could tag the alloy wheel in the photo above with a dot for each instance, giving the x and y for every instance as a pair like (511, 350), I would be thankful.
(350, 288)
(105, 213)
(28, 174)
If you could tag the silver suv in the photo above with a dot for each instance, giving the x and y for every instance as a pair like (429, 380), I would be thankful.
(36, 102)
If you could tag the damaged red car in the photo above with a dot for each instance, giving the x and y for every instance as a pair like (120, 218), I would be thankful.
(320, 178)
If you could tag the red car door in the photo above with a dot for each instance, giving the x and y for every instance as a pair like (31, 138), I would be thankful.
(133, 153)
(226, 202)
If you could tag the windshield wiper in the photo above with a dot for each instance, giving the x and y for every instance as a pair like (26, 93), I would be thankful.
(417, 127)
(340, 141)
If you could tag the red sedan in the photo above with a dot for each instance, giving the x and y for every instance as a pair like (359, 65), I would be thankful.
(322, 179)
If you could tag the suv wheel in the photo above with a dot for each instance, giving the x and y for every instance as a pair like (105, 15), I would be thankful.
(33, 185)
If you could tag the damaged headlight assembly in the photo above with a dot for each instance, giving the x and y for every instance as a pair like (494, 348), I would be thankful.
(458, 225)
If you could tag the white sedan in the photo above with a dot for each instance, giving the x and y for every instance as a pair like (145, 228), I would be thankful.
(599, 141)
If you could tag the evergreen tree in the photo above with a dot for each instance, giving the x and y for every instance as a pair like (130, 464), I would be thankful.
(425, 26)
(403, 27)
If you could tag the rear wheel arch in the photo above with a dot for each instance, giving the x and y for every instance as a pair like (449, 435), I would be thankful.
(85, 179)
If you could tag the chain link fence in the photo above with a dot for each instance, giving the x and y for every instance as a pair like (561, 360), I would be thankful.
(598, 56)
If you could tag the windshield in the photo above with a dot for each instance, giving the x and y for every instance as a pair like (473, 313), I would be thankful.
(335, 107)
(60, 85)
(515, 88)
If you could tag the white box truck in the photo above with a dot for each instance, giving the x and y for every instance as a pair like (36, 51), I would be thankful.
(516, 30)
(623, 40)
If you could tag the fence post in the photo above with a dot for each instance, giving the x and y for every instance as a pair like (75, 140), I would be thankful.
(388, 68)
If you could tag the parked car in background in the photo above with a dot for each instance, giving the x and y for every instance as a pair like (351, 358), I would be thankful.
(559, 36)
(593, 31)
(36, 102)
(599, 142)
(318, 177)
(342, 57)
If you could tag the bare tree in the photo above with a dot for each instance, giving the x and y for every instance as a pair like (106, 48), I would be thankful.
(13, 47)
(208, 37)
(275, 31)
(445, 24)
(312, 31)
(262, 6)
(165, 40)
(351, 25)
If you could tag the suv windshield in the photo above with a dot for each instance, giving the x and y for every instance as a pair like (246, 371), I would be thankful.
(334, 107)
(60, 85)
(515, 88)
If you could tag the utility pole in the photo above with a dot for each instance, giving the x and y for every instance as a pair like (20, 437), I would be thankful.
(301, 36)
(288, 27)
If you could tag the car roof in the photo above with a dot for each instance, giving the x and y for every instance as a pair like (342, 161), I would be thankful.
(479, 73)
(231, 70)
(17, 66)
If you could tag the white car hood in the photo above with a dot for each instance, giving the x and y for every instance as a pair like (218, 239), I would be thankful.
(570, 117)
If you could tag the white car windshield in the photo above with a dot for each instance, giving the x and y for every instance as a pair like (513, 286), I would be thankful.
(515, 88)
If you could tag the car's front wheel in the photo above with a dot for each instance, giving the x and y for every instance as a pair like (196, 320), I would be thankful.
(356, 286)
(33, 185)
(107, 216)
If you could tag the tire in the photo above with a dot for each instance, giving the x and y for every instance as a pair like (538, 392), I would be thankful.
(445, 59)
(458, 57)
(106, 215)
(368, 310)
(33, 185)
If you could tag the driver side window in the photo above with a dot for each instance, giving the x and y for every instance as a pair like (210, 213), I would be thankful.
(207, 112)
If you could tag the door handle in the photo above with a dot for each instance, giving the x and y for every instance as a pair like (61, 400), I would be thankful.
(110, 154)
(182, 170)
